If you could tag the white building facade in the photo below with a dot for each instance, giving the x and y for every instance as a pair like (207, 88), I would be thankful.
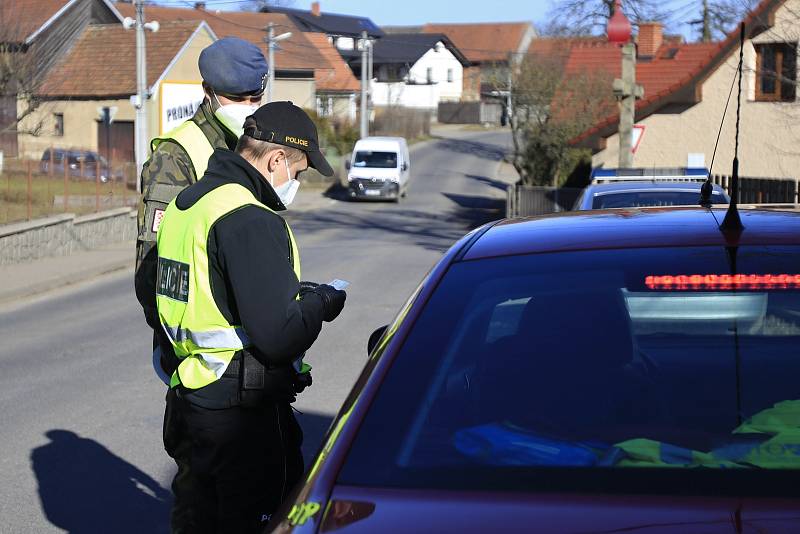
(436, 76)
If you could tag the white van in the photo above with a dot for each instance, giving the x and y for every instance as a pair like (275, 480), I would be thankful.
(379, 168)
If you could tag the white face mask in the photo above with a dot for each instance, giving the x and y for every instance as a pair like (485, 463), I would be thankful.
(232, 116)
(288, 190)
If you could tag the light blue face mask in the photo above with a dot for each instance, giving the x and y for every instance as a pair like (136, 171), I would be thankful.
(287, 191)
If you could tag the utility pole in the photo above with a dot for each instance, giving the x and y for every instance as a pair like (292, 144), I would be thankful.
(141, 143)
(511, 66)
(364, 69)
(368, 44)
(626, 90)
(271, 41)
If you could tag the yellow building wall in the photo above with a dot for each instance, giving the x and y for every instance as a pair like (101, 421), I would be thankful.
(80, 125)
(769, 142)
(302, 92)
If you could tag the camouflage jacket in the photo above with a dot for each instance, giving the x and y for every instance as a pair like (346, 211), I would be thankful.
(169, 165)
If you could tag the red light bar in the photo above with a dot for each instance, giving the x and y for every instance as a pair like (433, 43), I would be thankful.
(717, 282)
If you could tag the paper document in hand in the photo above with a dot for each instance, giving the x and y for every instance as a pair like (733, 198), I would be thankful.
(339, 284)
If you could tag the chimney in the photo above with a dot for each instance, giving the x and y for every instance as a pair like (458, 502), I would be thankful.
(199, 5)
(315, 9)
(650, 38)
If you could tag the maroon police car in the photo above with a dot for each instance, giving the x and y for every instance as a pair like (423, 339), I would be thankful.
(628, 370)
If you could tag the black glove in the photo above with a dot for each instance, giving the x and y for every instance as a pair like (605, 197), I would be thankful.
(302, 381)
(332, 301)
(306, 287)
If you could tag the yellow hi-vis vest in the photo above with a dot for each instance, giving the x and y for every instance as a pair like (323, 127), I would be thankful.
(201, 336)
(192, 139)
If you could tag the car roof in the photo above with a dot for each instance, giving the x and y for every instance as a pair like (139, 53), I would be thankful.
(648, 184)
(380, 142)
(630, 228)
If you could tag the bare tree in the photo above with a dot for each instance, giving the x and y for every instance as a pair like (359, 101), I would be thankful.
(716, 17)
(579, 17)
(21, 76)
(260, 5)
(549, 109)
(711, 18)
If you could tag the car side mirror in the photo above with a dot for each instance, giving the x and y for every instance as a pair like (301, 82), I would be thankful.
(375, 337)
(404, 166)
(347, 164)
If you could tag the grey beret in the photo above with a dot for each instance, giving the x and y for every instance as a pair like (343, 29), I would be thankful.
(234, 66)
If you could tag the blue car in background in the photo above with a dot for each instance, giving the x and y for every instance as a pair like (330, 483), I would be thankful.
(634, 188)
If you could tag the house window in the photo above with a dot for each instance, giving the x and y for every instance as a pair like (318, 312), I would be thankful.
(58, 124)
(776, 67)
(430, 75)
(450, 75)
(324, 106)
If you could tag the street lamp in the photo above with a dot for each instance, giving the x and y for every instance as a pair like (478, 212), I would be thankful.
(626, 91)
(142, 144)
(271, 41)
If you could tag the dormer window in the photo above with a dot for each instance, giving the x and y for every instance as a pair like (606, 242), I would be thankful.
(776, 72)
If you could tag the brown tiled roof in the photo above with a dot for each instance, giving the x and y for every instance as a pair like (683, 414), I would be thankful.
(19, 19)
(665, 77)
(483, 41)
(295, 53)
(338, 78)
(103, 60)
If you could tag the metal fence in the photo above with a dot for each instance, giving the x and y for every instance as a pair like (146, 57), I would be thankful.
(762, 190)
(31, 189)
(469, 112)
(525, 200)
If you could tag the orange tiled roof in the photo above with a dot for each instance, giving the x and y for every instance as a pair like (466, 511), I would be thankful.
(483, 41)
(661, 75)
(103, 60)
(664, 77)
(338, 78)
(295, 53)
(19, 19)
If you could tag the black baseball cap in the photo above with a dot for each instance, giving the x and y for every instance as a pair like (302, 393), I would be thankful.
(283, 123)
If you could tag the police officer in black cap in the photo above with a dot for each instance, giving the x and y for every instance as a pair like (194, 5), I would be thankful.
(238, 320)
(234, 75)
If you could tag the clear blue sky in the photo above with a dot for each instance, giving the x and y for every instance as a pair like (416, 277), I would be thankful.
(417, 12)
(411, 12)
(407, 12)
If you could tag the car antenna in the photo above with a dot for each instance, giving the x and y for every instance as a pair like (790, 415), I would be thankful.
(708, 187)
(732, 224)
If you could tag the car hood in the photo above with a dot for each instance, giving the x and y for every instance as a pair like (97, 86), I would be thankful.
(355, 510)
(373, 172)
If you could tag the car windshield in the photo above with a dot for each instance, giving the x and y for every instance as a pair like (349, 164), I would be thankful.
(623, 360)
(637, 199)
(379, 160)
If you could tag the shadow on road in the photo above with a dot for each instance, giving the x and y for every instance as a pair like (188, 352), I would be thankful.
(430, 230)
(495, 184)
(85, 488)
(477, 210)
(314, 427)
(473, 148)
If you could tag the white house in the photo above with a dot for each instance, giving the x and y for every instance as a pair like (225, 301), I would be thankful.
(416, 70)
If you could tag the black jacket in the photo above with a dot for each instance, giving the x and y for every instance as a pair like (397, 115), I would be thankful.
(252, 278)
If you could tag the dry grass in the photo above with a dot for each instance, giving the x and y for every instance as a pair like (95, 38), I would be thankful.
(45, 195)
